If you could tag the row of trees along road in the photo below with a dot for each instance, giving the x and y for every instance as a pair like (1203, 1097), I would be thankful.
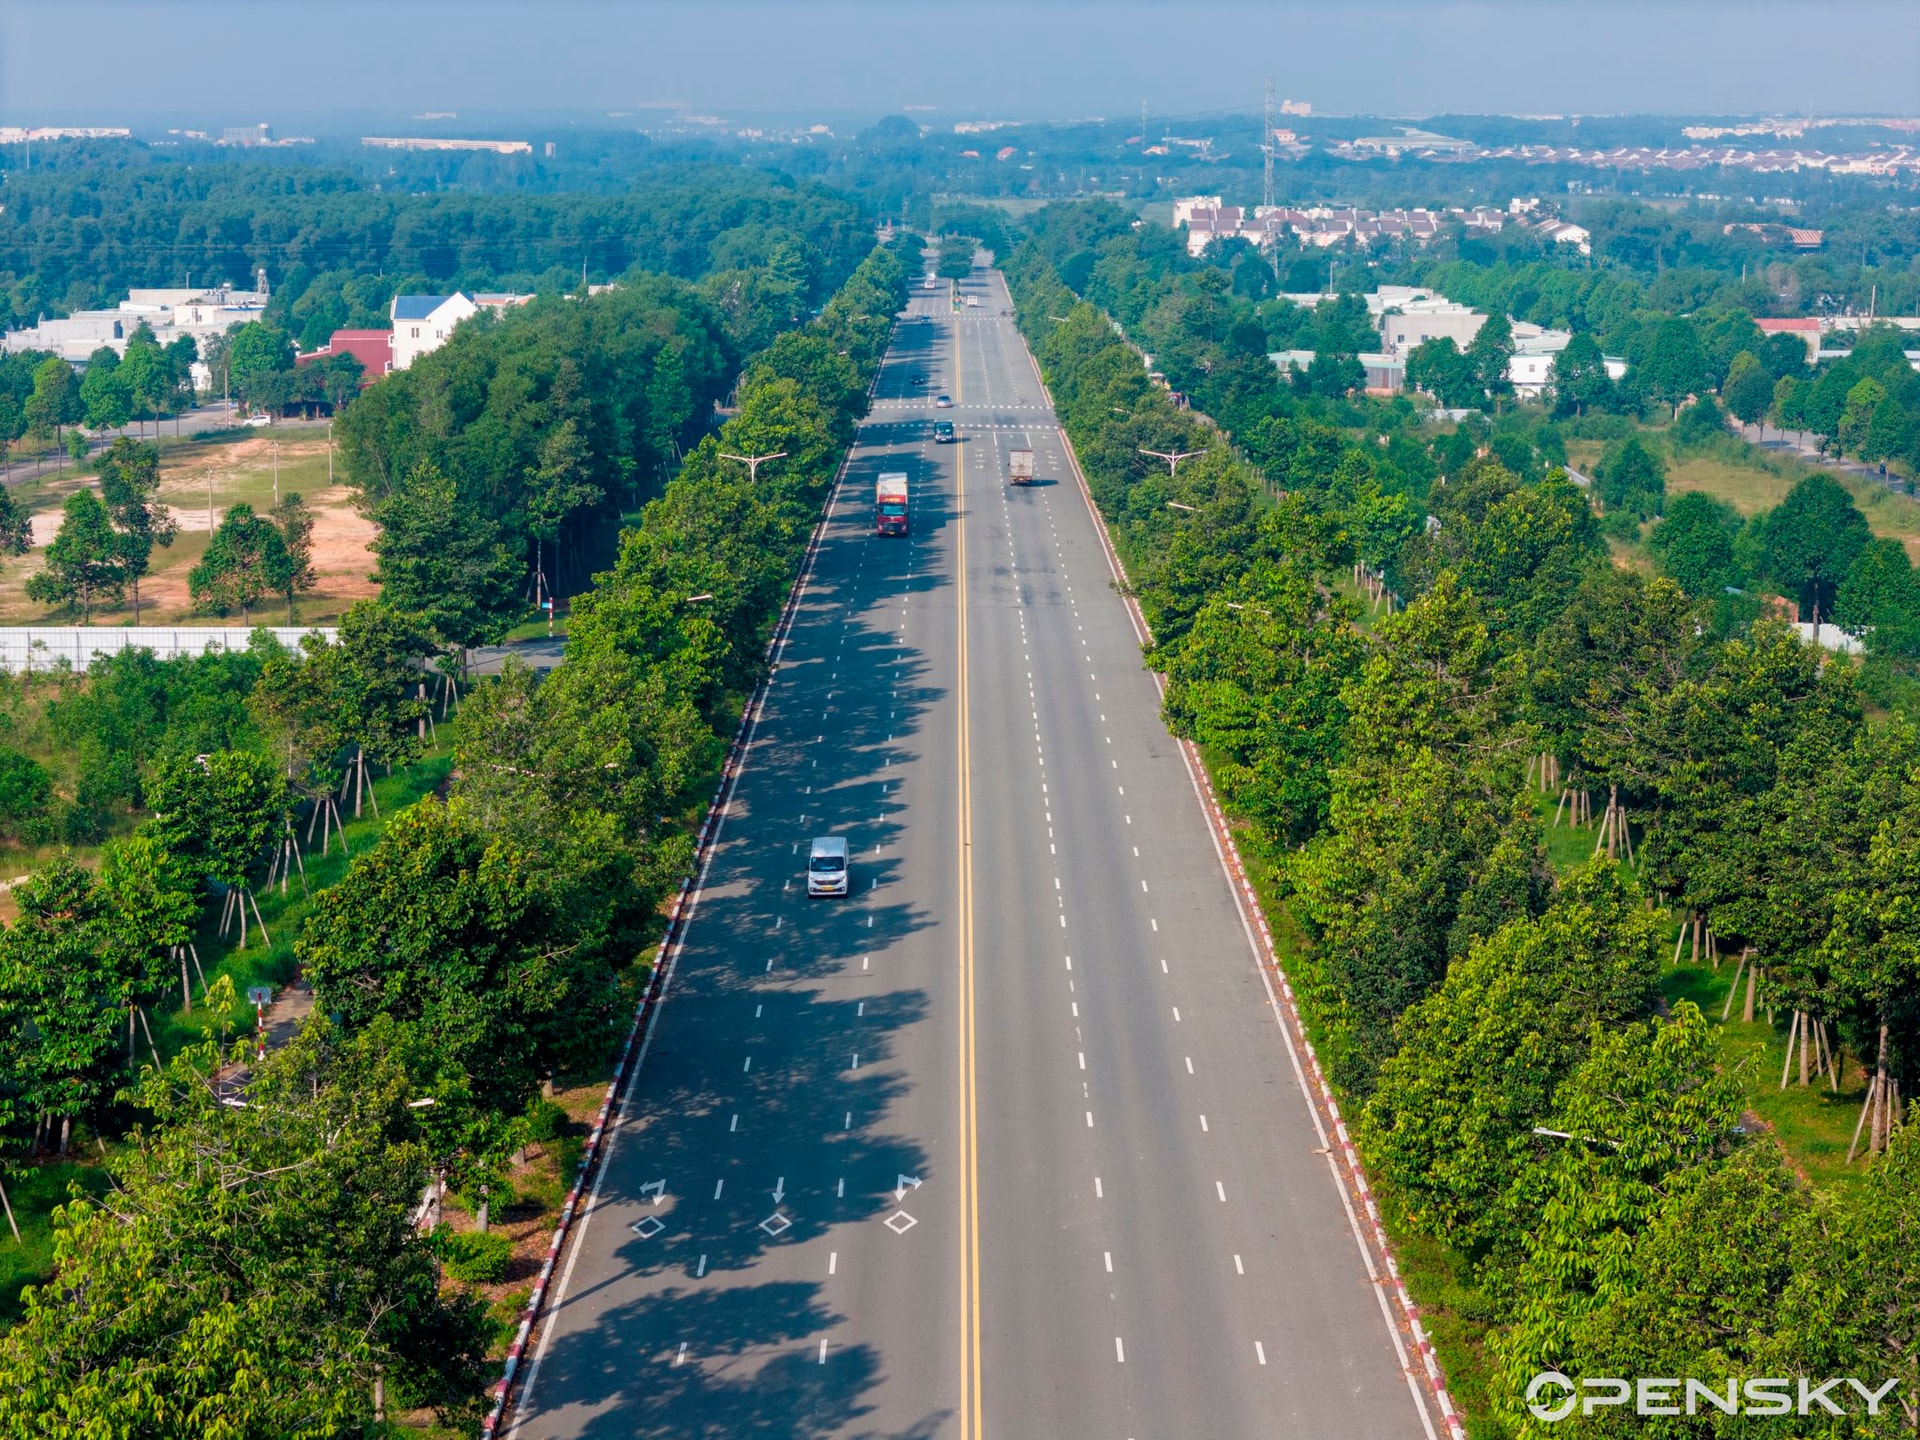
(1524, 1093)
(256, 1270)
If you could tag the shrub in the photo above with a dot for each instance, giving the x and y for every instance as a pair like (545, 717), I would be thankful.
(470, 1255)
(25, 791)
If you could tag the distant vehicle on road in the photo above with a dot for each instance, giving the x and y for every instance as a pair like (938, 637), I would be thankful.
(1020, 467)
(918, 378)
(973, 300)
(943, 432)
(931, 283)
(890, 504)
(258, 420)
(827, 866)
(942, 402)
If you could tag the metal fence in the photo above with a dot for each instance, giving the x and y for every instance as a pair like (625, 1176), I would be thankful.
(47, 647)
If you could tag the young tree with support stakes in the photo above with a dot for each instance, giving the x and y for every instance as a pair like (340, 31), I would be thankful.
(153, 912)
(64, 986)
(218, 813)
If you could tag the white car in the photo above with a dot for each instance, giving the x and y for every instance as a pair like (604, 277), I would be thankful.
(257, 420)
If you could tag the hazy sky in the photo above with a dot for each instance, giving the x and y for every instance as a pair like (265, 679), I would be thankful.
(287, 61)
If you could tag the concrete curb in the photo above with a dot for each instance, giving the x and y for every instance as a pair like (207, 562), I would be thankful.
(1353, 1176)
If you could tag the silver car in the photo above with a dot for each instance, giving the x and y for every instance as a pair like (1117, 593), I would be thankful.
(827, 866)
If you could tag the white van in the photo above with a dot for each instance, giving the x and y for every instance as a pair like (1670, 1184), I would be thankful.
(827, 866)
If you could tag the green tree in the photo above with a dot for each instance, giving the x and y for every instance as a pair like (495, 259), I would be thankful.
(86, 565)
(55, 400)
(1673, 366)
(1451, 1124)
(1809, 541)
(1788, 410)
(1694, 544)
(1748, 390)
(16, 525)
(1648, 1106)
(130, 484)
(1863, 399)
(259, 357)
(1631, 477)
(246, 561)
(295, 520)
(1489, 355)
(63, 995)
(26, 793)
(956, 257)
(148, 376)
(216, 813)
(1437, 367)
(1700, 423)
(152, 909)
(445, 562)
(1880, 589)
(444, 931)
(1580, 379)
(104, 394)
(253, 1271)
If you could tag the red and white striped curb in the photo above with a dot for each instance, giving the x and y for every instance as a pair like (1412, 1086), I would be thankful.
(1353, 1176)
(729, 772)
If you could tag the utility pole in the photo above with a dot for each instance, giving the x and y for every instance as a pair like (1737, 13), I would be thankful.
(753, 462)
(276, 472)
(1266, 149)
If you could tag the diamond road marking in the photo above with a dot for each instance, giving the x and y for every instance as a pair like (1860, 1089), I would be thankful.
(776, 1224)
(899, 1222)
(646, 1229)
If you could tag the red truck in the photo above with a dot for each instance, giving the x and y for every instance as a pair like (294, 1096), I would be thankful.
(890, 505)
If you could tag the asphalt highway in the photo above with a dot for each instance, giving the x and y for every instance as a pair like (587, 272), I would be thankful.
(1008, 1142)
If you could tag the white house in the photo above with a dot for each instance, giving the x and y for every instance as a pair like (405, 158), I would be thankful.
(423, 322)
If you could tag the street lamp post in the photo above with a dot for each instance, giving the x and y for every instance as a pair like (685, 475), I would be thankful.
(753, 462)
(1172, 457)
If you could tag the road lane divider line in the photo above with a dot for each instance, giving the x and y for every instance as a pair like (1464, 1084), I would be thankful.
(970, 1417)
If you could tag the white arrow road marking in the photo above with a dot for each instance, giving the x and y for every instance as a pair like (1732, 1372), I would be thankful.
(658, 1187)
(904, 1184)
(779, 1190)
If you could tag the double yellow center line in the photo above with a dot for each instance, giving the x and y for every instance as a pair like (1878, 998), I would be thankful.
(970, 1417)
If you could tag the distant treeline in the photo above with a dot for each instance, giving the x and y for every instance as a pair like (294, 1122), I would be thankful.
(73, 238)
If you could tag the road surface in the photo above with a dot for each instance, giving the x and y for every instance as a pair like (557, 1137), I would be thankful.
(1008, 1143)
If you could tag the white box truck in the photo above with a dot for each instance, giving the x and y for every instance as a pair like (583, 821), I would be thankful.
(1020, 467)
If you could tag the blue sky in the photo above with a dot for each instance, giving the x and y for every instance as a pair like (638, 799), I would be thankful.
(303, 62)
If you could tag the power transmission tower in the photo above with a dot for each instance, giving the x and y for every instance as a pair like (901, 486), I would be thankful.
(1266, 149)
